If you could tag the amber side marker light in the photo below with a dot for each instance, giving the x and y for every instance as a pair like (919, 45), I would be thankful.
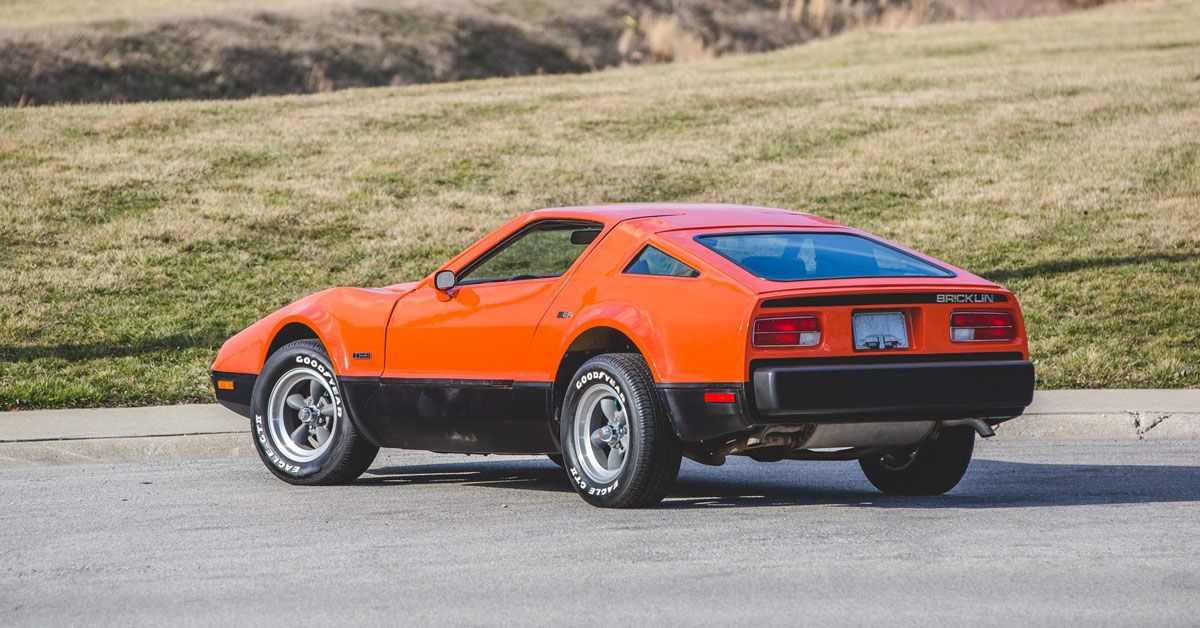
(225, 384)
(982, 326)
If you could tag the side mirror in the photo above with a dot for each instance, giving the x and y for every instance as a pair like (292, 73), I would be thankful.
(444, 280)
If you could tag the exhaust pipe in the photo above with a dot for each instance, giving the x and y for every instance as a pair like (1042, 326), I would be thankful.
(980, 426)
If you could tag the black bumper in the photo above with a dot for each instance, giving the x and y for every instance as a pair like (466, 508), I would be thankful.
(237, 399)
(869, 392)
(843, 393)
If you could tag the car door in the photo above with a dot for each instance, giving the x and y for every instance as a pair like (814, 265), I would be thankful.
(452, 356)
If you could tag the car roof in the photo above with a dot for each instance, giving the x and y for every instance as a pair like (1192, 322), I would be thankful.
(688, 215)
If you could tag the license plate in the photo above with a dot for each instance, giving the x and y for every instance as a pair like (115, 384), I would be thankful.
(876, 331)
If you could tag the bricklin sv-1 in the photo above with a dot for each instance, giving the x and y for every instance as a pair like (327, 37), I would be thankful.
(618, 339)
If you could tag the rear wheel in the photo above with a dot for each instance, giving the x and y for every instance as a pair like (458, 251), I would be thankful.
(931, 468)
(301, 427)
(619, 449)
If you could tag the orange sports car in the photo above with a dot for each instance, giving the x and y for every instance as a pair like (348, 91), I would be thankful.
(618, 339)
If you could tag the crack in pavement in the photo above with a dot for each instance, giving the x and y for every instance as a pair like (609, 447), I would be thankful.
(1143, 422)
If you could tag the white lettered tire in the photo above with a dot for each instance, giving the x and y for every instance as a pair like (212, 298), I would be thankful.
(619, 449)
(301, 426)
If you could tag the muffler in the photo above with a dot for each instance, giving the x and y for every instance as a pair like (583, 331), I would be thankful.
(889, 434)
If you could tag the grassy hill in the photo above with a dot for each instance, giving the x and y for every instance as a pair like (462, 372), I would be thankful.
(1056, 156)
(76, 51)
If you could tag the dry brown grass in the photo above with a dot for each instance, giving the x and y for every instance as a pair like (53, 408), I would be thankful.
(1059, 157)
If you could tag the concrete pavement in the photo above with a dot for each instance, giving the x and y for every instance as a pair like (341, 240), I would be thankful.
(1040, 532)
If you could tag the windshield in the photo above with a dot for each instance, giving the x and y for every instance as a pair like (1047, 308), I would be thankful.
(798, 256)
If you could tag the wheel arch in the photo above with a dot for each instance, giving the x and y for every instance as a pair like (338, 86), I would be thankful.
(291, 332)
(587, 343)
(331, 334)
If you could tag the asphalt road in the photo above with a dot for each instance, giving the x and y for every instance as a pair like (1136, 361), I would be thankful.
(1061, 532)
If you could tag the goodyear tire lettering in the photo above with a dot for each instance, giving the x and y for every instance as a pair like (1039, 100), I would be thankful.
(275, 458)
(577, 477)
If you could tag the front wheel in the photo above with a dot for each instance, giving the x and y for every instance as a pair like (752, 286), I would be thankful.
(931, 468)
(619, 448)
(301, 425)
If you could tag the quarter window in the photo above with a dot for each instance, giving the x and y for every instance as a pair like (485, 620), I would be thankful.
(545, 249)
(652, 261)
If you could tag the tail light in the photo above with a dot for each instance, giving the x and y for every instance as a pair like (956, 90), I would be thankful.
(982, 326)
(787, 331)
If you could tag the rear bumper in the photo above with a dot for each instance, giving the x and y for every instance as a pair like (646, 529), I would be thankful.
(870, 392)
(845, 393)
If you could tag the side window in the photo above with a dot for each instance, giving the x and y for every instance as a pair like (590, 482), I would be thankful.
(652, 261)
(545, 249)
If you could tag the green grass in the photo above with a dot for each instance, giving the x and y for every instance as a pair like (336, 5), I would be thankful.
(1056, 156)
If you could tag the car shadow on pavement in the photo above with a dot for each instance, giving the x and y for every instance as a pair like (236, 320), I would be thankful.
(988, 484)
(531, 475)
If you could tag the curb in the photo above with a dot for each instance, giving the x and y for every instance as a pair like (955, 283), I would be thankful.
(210, 431)
(1114, 401)
(107, 435)
(1103, 426)
(102, 423)
(1124, 414)
(113, 450)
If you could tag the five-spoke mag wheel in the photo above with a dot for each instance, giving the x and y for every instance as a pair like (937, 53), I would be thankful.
(601, 433)
(302, 415)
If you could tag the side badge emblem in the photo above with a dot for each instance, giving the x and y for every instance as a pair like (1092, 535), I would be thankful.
(564, 314)
(362, 355)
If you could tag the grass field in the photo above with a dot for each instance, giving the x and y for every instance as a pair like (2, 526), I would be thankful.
(1060, 157)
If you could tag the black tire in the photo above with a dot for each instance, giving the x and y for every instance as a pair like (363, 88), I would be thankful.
(556, 459)
(931, 468)
(347, 455)
(653, 452)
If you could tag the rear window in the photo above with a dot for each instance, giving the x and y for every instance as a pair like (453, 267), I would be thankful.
(797, 256)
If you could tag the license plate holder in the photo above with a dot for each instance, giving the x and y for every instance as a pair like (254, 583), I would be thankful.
(880, 331)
